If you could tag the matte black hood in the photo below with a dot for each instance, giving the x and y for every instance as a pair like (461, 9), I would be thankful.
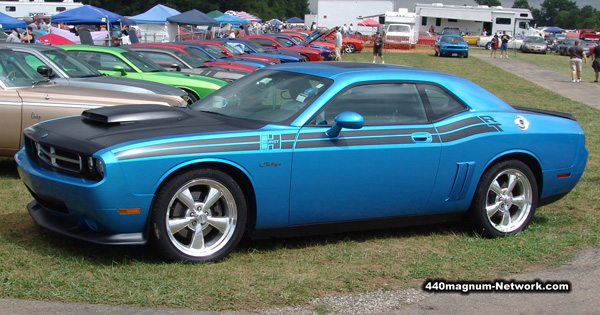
(103, 127)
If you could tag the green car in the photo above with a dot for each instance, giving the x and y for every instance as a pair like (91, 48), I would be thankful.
(121, 62)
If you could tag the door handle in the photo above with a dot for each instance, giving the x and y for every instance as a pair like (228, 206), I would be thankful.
(421, 137)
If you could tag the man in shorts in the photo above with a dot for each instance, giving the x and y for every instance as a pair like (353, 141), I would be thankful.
(378, 48)
(596, 61)
(577, 54)
(504, 45)
(338, 45)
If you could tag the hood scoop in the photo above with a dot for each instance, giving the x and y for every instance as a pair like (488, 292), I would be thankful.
(124, 114)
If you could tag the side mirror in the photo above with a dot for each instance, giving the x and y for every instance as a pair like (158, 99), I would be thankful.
(120, 70)
(45, 71)
(176, 66)
(350, 120)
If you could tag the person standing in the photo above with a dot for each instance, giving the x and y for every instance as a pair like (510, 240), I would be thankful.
(14, 36)
(351, 29)
(577, 55)
(596, 61)
(494, 46)
(504, 45)
(378, 48)
(338, 45)
(27, 36)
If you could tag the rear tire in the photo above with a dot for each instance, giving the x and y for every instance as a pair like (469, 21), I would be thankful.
(505, 200)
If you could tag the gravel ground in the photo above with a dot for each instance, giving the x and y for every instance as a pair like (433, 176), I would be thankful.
(363, 303)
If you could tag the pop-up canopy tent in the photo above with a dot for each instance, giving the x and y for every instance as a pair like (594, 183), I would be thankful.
(8, 22)
(191, 17)
(294, 20)
(152, 23)
(86, 14)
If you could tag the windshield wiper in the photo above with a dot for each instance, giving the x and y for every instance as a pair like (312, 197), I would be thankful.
(36, 82)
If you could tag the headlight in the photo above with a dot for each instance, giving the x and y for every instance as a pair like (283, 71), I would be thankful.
(95, 167)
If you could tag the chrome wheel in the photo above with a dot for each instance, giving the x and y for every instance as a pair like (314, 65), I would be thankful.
(350, 48)
(509, 201)
(201, 218)
(198, 216)
(505, 200)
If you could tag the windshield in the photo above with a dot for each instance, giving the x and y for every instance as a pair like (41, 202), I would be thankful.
(535, 39)
(452, 40)
(194, 62)
(14, 71)
(215, 51)
(399, 28)
(197, 53)
(265, 95)
(73, 67)
(143, 63)
(255, 46)
(285, 42)
(234, 50)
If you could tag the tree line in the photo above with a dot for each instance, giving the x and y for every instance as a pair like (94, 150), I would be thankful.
(561, 13)
(264, 9)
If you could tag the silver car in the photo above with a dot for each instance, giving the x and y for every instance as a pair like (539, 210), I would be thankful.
(534, 44)
(66, 69)
(26, 98)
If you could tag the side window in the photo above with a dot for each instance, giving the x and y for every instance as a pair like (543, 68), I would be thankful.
(108, 62)
(32, 60)
(379, 104)
(442, 104)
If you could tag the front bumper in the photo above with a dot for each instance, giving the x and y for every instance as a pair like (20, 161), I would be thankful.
(85, 209)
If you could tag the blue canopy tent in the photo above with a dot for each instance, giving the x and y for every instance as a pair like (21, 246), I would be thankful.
(86, 14)
(294, 20)
(230, 19)
(8, 22)
(158, 14)
(152, 23)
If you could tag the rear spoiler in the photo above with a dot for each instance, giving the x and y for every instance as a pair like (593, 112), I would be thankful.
(545, 112)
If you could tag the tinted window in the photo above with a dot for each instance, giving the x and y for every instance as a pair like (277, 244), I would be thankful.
(379, 104)
(441, 104)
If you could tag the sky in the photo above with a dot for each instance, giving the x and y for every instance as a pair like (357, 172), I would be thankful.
(410, 4)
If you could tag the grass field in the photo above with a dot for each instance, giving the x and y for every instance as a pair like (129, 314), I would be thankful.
(38, 264)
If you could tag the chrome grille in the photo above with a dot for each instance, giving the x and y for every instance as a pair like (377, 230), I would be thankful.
(58, 158)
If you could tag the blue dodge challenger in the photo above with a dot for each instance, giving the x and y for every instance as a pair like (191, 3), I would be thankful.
(296, 149)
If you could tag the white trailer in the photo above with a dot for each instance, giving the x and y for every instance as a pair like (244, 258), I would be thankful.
(31, 8)
(474, 20)
(331, 13)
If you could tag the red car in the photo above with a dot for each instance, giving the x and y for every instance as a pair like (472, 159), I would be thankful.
(202, 56)
(271, 41)
(350, 45)
(231, 51)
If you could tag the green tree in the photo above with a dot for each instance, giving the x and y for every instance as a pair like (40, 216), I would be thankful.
(491, 3)
(521, 4)
(551, 8)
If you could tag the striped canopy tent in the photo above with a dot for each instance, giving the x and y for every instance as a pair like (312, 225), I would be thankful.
(244, 15)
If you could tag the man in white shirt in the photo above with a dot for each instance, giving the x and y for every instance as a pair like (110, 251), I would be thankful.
(338, 45)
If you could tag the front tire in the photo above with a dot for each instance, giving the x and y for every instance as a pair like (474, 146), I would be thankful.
(488, 46)
(198, 216)
(350, 48)
(505, 200)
